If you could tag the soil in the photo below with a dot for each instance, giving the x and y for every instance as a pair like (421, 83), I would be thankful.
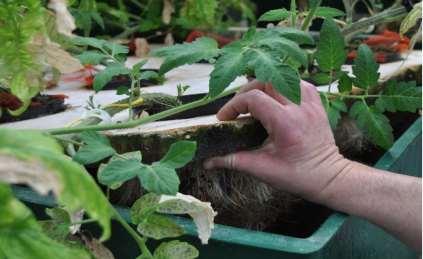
(232, 194)
(41, 105)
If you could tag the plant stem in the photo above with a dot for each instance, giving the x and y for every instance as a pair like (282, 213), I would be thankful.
(131, 97)
(293, 10)
(388, 15)
(128, 31)
(144, 120)
(71, 141)
(362, 97)
(330, 81)
(85, 221)
(140, 240)
(310, 17)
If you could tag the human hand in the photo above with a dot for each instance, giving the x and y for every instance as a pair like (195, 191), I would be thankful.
(300, 155)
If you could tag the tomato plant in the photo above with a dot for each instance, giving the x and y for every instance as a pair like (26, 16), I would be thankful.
(280, 56)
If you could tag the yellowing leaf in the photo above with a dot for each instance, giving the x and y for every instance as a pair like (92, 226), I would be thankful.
(64, 20)
(412, 18)
(158, 227)
(61, 59)
(203, 215)
(176, 250)
(31, 172)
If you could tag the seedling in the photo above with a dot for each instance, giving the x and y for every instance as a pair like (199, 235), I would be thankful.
(273, 56)
(368, 106)
(48, 169)
(113, 57)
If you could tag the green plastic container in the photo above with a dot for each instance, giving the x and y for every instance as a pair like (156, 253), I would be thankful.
(340, 236)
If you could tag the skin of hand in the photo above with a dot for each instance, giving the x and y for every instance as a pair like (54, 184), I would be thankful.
(300, 156)
(300, 148)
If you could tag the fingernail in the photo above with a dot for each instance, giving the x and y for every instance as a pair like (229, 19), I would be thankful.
(208, 164)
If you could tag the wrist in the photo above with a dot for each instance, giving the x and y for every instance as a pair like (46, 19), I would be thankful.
(337, 169)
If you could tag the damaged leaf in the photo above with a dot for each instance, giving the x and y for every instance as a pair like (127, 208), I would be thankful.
(201, 212)
(65, 22)
(158, 227)
(75, 188)
(176, 250)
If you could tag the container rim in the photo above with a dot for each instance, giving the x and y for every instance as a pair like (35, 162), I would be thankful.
(260, 239)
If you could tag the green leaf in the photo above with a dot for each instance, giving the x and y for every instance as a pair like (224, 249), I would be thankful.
(115, 49)
(176, 250)
(72, 185)
(103, 45)
(96, 148)
(136, 69)
(58, 214)
(293, 34)
(328, 12)
(116, 172)
(97, 18)
(320, 78)
(136, 155)
(331, 53)
(333, 110)
(365, 68)
(373, 123)
(150, 75)
(187, 53)
(284, 46)
(159, 179)
(104, 76)
(143, 207)
(120, 169)
(91, 57)
(22, 237)
(275, 15)
(158, 227)
(268, 69)
(57, 227)
(228, 67)
(88, 41)
(314, 3)
(122, 90)
(344, 83)
(179, 154)
(402, 96)
(198, 13)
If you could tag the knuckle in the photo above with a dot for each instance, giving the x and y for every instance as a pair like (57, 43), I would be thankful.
(256, 94)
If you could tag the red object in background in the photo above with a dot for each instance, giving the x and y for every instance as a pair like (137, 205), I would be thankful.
(85, 76)
(386, 46)
(390, 40)
(195, 34)
(9, 101)
(380, 57)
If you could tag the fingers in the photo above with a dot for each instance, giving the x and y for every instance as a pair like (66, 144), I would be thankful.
(250, 86)
(308, 91)
(241, 161)
(260, 105)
